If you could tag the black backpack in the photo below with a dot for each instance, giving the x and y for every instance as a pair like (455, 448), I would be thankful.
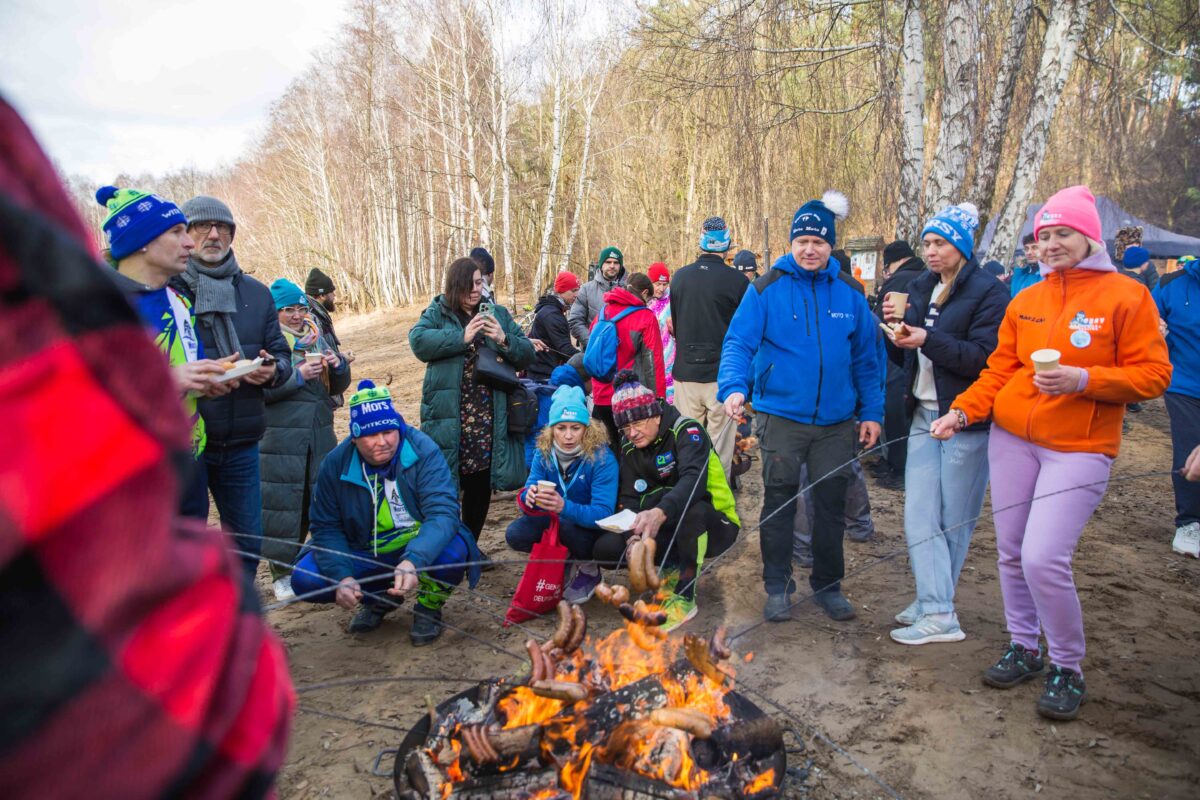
(522, 411)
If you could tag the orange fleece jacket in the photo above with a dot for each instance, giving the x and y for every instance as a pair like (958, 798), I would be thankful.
(1103, 322)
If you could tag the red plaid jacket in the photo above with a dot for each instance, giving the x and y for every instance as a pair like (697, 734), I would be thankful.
(133, 661)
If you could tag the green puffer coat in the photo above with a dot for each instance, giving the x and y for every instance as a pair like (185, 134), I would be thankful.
(437, 339)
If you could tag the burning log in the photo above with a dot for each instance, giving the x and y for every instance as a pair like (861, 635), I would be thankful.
(575, 726)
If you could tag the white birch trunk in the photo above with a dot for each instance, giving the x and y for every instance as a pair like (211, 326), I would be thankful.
(1067, 20)
(582, 179)
(912, 127)
(558, 70)
(960, 94)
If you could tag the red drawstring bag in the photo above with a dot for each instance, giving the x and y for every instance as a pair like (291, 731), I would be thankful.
(541, 586)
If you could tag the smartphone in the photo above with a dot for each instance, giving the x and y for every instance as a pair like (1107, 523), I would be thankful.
(487, 308)
(268, 361)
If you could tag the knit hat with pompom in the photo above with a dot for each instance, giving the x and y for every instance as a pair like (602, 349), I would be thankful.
(135, 219)
(631, 401)
(819, 217)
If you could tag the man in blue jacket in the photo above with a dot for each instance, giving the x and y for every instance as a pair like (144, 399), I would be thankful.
(385, 496)
(1174, 295)
(803, 345)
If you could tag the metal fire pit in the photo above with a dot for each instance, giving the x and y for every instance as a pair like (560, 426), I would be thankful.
(604, 782)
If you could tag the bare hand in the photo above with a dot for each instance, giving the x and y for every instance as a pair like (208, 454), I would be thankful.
(1191, 467)
(348, 595)
(493, 330)
(539, 345)
(219, 388)
(945, 426)
(406, 579)
(263, 373)
(331, 359)
(349, 356)
(868, 433)
(647, 523)
(309, 371)
(1063, 380)
(474, 325)
(549, 500)
(890, 312)
(910, 338)
(197, 376)
(734, 405)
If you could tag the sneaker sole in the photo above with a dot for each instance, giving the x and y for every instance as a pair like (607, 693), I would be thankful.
(1028, 676)
(930, 639)
(1061, 716)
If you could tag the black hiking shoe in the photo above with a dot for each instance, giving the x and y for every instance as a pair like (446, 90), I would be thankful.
(368, 618)
(778, 608)
(1017, 665)
(426, 627)
(835, 605)
(1063, 695)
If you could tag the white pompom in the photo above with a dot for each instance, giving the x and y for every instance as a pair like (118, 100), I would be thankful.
(970, 208)
(837, 203)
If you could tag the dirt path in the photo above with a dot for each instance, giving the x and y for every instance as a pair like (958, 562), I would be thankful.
(919, 718)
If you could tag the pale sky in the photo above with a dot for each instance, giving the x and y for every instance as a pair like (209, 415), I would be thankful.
(138, 86)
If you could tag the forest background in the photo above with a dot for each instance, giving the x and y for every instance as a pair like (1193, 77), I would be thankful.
(548, 129)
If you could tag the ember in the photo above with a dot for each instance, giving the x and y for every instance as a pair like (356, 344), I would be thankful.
(634, 714)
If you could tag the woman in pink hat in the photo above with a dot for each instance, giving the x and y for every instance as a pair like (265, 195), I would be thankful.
(661, 306)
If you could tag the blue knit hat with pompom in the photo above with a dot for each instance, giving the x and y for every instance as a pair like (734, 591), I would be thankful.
(371, 411)
(135, 219)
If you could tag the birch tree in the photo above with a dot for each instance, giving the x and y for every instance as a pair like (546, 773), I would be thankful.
(558, 68)
(1067, 21)
(912, 122)
(960, 94)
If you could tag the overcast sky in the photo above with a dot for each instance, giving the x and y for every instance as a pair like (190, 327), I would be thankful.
(139, 86)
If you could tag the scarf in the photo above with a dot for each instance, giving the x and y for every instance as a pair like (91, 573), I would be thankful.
(566, 458)
(324, 322)
(305, 339)
(216, 301)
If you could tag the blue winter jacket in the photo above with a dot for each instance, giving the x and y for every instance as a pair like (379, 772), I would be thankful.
(1175, 294)
(590, 490)
(803, 345)
(1023, 278)
(342, 513)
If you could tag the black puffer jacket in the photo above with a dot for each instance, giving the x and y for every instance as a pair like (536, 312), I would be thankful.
(898, 281)
(239, 418)
(550, 326)
(961, 338)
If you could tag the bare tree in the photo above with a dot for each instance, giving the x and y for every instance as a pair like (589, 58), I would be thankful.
(960, 92)
(912, 122)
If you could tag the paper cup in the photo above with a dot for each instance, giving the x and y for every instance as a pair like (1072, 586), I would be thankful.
(314, 358)
(547, 486)
(1045, 360)
(900, 301)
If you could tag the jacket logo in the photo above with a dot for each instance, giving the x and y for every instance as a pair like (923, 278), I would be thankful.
(1082, 322)
(1028, 318)
(841, 315)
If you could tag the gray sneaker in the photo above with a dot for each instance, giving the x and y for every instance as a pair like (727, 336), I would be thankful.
(583, 585)
(928, 630)
(910, 615)
(778, 609)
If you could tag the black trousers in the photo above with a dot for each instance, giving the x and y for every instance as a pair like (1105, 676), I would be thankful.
(701, 517)
(786, 446)
(1184, 412)
(895, 419)
(476, 491)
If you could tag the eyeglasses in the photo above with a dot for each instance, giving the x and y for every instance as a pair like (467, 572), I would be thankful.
(294, 309)
(223, 228)
(636, 424)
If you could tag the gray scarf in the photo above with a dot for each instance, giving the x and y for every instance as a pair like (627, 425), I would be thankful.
(216, 301)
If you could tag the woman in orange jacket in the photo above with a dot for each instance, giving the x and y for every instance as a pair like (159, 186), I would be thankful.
(1094, 336)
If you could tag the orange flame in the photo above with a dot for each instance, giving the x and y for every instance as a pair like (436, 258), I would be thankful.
(764, 781)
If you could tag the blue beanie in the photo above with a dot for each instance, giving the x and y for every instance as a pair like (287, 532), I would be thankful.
(956, 224)
(566, 375)
(287, 293)
(135, 219)
(714, 235)
(567, 404)
(371, 411)
(819, 217)
(1135, 256)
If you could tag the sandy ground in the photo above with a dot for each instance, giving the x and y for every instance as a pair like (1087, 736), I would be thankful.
(918, 718)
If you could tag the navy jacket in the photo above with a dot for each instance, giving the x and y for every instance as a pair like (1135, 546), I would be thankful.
(1174, 295)
(962, 337)
(239, 418)
(704, 297)
(803, 346)
(550, 325)
(342, 512)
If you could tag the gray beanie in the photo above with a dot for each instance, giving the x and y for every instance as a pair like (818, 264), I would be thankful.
(203, 208)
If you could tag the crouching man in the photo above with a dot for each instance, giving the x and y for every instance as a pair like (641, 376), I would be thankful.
(672, 478)
(385, 495)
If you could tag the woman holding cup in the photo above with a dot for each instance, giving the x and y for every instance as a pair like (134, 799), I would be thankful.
(574, 476)
(1057, 430)
(948, 332)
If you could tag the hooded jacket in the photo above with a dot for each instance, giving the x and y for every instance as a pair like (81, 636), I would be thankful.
(803, 346)
(1023, 278)
(639, 345)
(1099, 321)
(588, 303)
(589, 491)
(961, 338)
(704, 297)
(342, 514)
(1178, 298)
(550, 326)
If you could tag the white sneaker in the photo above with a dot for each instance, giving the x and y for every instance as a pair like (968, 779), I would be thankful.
(910, 615)
(1187, 540)
(283, 589)
(927, 630)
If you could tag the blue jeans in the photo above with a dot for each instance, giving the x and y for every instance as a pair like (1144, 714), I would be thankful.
(944, 483)
(234, 483)
(526, 531)
(435, 585)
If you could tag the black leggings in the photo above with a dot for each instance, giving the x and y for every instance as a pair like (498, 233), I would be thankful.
(476, 499)
(701, 517)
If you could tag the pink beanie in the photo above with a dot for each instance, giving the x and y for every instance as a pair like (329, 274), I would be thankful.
(1073, 207)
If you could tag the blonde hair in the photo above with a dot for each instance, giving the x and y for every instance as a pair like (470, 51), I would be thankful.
(595, 437)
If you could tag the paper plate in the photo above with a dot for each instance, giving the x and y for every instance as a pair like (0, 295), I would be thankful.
(243, 368)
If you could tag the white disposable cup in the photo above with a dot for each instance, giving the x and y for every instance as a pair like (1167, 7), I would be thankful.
(899, 302)
(314, 358)
(1045, 360)
(544, 487)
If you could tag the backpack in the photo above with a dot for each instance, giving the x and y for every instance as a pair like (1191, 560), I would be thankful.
(522, 411)
(600, 355)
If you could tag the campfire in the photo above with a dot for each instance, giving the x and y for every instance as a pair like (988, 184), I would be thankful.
(636, 715)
